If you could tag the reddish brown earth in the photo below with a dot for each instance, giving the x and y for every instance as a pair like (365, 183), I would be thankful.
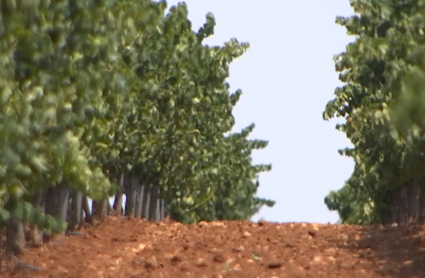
(126, 248)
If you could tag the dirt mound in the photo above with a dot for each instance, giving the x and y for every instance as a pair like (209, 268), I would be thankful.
(126, 248)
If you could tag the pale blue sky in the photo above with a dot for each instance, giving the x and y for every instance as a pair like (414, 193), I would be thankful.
(287, 77)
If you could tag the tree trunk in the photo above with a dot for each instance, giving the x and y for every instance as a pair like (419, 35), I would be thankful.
(131, 197)
(154, 207)
(166, 211)
(111, 210)
(15, 237)
(162, 211)
(51, 201)
(38, 200)
(100, 209)
(51, 204)
(57, 202)
(1, 247)
(86, 209)
(407, 205)
(63, 201)
(139, 203)
(75, 211)
(119, 196)
(146, 201)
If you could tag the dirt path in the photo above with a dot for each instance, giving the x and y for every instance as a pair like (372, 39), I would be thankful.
(128, 248)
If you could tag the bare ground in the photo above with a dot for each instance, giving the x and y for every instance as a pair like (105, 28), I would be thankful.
(121, 247)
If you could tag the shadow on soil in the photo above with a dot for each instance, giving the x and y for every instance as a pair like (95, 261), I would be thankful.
(398, 250)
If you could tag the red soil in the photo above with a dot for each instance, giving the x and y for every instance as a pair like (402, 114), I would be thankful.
(121, 247)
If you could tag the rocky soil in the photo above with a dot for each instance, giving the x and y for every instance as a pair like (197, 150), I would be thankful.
(121, 247)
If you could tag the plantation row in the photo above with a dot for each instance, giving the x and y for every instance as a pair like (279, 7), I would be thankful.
(383, 102)
(122, 99)
(117, 98)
